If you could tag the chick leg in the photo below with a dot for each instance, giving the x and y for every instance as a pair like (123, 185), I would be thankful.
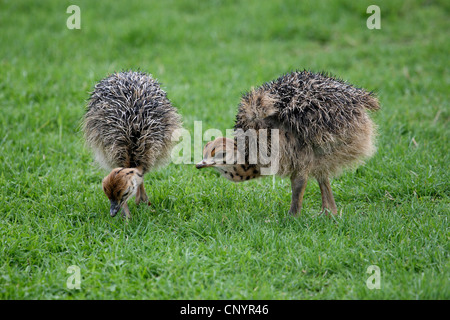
(138, 196)
(141, 195)
(298, 185)
(126, 211)
(328, 203)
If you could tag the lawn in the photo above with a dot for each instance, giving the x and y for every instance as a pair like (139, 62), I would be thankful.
(205, 237)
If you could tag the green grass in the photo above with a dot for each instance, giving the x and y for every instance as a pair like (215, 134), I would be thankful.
(204, 237)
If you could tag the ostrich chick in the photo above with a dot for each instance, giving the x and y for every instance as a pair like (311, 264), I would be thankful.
(321, 127)
(128, 124)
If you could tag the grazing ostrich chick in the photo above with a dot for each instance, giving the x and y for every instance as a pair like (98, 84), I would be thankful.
(128, 124)
(322, 127)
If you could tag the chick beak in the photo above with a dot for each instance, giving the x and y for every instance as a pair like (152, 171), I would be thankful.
(115, 207)
(204, 164)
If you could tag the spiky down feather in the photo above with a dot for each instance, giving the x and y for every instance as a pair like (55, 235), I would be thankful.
(129, 121)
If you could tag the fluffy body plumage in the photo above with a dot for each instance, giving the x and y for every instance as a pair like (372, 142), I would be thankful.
(129, 123)
(323, 127)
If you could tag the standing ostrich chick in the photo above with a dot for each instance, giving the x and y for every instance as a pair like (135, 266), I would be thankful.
(323, 127)
(128, 124)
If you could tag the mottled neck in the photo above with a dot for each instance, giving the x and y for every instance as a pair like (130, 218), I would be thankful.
(240, 172)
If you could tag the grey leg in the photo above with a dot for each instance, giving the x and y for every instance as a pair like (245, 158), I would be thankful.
(141, 195)
(138, 196)
(144, 197)
(298, 185)
(126, 211)
(328, 203)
